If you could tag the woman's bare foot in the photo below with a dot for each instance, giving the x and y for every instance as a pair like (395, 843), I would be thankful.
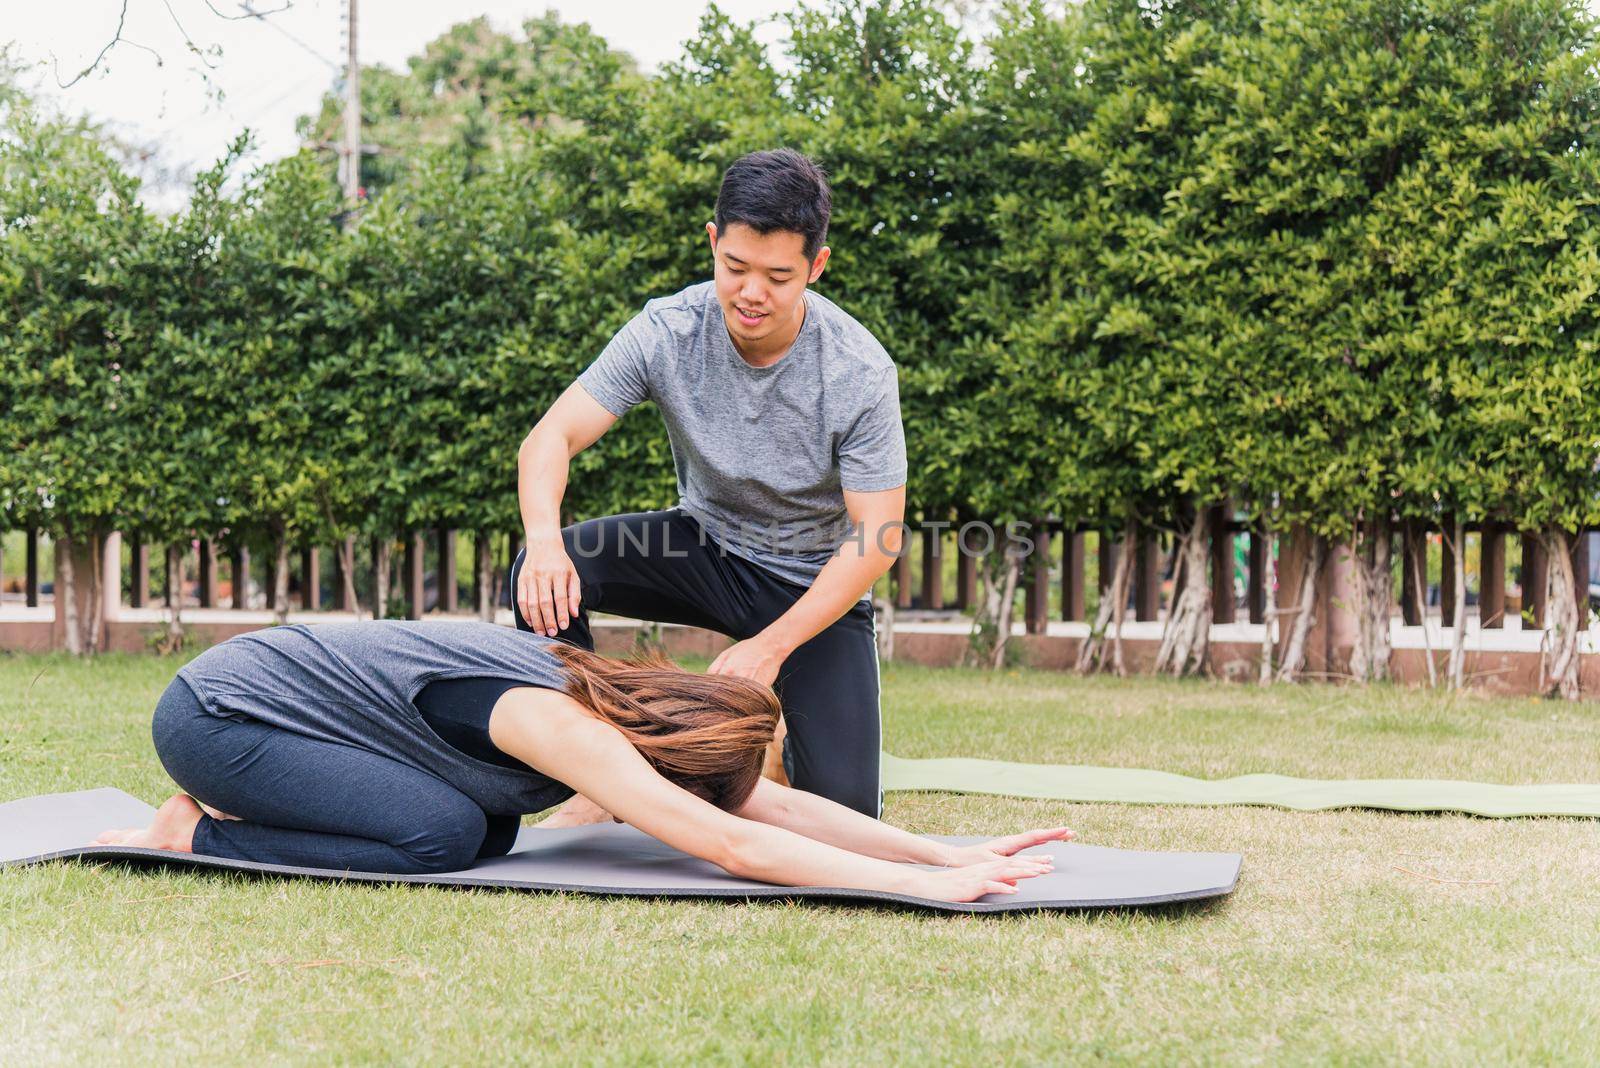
(213, 813)
(579, 811)
(172, 829)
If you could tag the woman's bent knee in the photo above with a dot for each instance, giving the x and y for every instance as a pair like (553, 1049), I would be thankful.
(174, 725)
(450, 842)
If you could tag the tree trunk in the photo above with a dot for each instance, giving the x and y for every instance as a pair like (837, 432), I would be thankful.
(347, 574)
(483, 565)
(1011, 562)
(1119, 615)
(67, 597)
(1185, 641)
(981, 638)
(1420, 595)
(1113, 607)
(280, 579)
(1294, 655)
(1558, 656)
(382, 551)
(80, 561)
(97, 607)
(1369, 661)
(649, 639)
(175, 635)
(1456, 672)
(991, 623)
(1269, 614)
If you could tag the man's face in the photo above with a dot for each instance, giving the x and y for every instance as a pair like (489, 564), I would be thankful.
(761, 280)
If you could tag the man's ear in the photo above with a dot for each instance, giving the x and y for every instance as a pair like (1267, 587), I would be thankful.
(711, 232)
(819, 263)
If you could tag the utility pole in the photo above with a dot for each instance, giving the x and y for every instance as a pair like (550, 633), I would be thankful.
(350, 153)
(350, 157)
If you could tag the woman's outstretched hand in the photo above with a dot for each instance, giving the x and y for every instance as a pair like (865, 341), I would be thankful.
(998, 848)
(972, 881)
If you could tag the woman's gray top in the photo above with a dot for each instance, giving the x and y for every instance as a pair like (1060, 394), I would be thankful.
(355, 683)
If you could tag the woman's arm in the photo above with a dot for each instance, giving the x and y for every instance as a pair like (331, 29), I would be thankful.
(827, 821)
(597, 761)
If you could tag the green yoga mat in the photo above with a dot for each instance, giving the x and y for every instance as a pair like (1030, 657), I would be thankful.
(1137, 786)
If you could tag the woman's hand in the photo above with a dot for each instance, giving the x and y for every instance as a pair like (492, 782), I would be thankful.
(973, 881)
(999, 848)
(547, 585)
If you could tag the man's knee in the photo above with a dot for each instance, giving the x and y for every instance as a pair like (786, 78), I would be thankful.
(859, 791)
(514, 579)
(868, 801)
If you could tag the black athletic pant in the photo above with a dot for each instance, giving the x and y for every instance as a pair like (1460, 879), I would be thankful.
(662, 567)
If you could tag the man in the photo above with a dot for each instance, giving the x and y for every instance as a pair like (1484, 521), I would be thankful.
(784, 418)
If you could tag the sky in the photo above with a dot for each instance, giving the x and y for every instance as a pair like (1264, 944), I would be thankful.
(152, 89)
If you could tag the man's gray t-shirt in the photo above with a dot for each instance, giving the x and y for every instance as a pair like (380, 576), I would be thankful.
(762, 453)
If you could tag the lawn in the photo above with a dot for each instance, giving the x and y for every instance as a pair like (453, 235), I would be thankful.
(1354, 937)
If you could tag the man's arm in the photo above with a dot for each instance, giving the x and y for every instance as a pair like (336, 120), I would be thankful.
(547, 591)
(870, 550)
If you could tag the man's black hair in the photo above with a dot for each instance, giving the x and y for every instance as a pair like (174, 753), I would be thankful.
(778, 189)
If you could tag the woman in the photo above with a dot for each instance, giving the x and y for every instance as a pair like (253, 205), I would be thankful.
(411, 747)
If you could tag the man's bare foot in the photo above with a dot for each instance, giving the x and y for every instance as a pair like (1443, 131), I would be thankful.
(772, 762)
(172, 829)
(579, 811)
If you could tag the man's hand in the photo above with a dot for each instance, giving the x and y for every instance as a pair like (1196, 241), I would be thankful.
(757, 658)
(999, 848)
(547, 586)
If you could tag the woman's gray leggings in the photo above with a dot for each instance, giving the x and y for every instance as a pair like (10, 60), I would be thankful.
(309, 803)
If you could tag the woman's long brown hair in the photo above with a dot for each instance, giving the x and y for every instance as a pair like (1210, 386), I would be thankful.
(707, 733)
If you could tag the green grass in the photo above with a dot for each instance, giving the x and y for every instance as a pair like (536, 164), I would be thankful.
(1342, 944)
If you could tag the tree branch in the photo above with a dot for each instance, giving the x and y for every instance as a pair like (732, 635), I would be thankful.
(209, 65)
(249, 12)
(122, 21)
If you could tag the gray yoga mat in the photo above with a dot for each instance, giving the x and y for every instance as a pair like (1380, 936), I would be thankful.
(613, 859)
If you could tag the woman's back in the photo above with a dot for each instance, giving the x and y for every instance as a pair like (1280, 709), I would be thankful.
(356, 683)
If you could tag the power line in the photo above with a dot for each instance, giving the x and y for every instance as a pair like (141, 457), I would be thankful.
(260, 16)
(227, 109)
